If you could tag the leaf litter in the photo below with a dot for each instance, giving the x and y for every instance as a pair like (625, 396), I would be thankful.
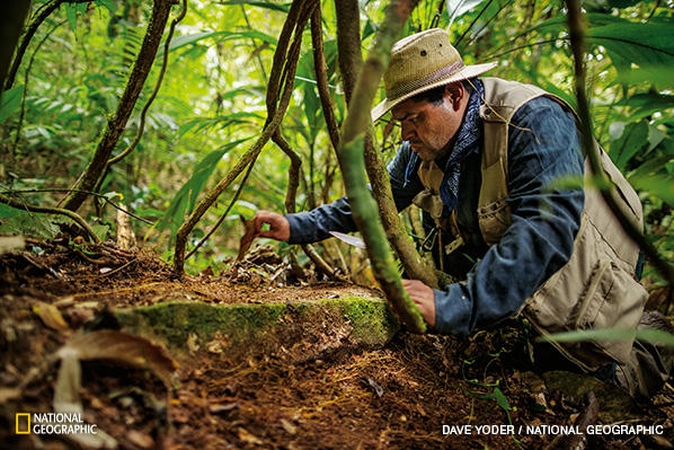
(62, 350)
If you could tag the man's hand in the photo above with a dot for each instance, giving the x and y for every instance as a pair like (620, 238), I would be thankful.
(423, 296)
(279, 228)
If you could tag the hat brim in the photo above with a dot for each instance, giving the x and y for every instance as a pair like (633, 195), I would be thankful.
(467, 72)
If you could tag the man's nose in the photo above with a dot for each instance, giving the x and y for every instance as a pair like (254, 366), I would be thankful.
(407, 131)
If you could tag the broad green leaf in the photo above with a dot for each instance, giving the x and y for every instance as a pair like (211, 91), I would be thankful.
(501, 399)
(71, 15)
(652, 335)
(109, 4)
(644, 105)
(648, 45)
(660, 76)
(659, 186)
(310, 100)
(655, 137)
(101, 231)
(274, 6)
(627, 43)
(30, 224)
(622, 3)
(221, 122)
(7, 211)
(72, 11)
(184, 201)
(634, 138)
(10, 101)
(222, 36)
(457, 8)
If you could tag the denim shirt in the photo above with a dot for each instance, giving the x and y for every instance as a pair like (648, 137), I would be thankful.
(543, 152)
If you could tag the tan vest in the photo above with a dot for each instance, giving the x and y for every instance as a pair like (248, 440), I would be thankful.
(596, 289)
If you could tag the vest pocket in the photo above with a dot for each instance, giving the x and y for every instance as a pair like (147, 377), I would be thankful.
(613, 300)
(594, 290)
(494, 219)
(597, 292)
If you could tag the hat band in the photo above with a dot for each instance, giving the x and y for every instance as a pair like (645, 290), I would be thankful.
(407, 88)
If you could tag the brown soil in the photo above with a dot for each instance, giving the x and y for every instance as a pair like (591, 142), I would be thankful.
(400, 396)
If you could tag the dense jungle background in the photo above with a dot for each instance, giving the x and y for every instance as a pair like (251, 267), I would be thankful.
(136, 140)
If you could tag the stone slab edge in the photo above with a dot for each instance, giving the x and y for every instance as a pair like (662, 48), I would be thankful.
(299, 330)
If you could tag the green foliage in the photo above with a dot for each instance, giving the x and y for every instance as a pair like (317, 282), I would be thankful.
(184, 201)
(219, 36)
(24, 223)
(213, 96)
(10, 101)
(633, 43)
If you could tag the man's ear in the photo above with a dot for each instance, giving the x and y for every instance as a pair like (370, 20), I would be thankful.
(456, 93)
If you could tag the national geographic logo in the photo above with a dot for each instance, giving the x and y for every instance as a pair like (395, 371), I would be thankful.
(22, 423)
(52, 423)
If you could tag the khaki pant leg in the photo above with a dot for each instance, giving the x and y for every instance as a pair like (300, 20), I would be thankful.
(650, 365)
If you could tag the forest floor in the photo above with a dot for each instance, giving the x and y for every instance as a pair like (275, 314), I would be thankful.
(415, 392)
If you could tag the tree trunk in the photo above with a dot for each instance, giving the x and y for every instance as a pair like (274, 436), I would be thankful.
(117, 122)
(350, 63)
(351, 159)
(11, 25)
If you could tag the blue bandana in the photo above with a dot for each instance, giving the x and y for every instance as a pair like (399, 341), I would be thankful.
(467, 142)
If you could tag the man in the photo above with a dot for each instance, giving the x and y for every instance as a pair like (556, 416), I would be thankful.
(491, 163)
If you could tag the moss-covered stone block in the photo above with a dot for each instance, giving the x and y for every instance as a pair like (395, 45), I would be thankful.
(298, 330)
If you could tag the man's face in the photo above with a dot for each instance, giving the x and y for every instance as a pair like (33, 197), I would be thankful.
(430, 127)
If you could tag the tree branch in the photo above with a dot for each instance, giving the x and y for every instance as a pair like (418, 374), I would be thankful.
(293, 183)
(349, 55)
(47, 210)
(350, 60)
(322, 78)
(11, 24)
(281, 80)
(31, 29)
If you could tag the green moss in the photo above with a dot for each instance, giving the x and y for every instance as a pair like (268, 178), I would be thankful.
(175, 321)
(262, 328)
(372, 320)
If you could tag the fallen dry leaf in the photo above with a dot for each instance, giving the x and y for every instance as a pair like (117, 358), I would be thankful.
(248, 437)
(247, 238)
(11, 243)
(122, 348)
(67, 400)
(7, 394)
(50, 316)
(141, 440)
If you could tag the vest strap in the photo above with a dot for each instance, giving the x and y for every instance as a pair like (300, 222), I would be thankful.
(454, 245)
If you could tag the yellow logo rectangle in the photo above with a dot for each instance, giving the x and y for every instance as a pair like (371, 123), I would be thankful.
(19, 428)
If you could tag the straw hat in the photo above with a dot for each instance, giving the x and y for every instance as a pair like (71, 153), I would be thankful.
(421, 62)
